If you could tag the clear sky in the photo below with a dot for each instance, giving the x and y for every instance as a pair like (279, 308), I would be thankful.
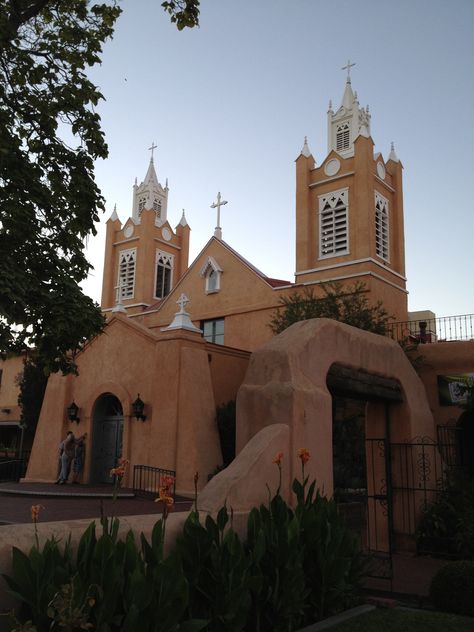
(229, 104)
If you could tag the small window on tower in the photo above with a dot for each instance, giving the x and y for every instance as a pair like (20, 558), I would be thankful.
(126, 276)
(342, 137)
(164, 272)
(382, 242)
(141, 205)
(157, 207)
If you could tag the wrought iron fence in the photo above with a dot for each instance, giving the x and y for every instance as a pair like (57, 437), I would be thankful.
(12, 470)
(147, 480)
(446, 328)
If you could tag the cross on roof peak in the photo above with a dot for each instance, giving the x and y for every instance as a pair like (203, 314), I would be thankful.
(348, 67)
(152, 148)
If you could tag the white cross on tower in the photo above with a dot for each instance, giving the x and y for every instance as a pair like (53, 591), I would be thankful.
(348, 68)
(217, 205)
(152, 148)
(182, 301)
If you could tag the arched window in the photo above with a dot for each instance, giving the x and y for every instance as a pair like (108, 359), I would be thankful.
(342, 137)
(211, 272)
(382, 245)
(164, 273)
(157, 207)
(126, 276)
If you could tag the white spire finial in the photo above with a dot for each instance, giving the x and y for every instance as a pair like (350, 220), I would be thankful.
(392, 155)
(330, 105)
(305, 151)
(348, 67)
(217, 205)
(183, 221)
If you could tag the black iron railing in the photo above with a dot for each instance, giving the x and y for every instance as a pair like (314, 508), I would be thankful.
(12, 470)
(446, 328)
(147, 480)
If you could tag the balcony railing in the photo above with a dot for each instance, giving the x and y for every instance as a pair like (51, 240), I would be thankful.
(446, 328)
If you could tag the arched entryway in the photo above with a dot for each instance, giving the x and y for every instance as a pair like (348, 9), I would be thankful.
(107, 436)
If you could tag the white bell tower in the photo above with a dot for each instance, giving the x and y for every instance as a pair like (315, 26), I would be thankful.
(350, 121)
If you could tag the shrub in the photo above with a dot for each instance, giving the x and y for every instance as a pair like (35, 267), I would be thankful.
(296, 566)
(452, 588)
(447, 526)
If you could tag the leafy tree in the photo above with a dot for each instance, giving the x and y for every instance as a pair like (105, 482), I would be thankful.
(347, 304)
(32, 382)
(50, 135)
(184, 13)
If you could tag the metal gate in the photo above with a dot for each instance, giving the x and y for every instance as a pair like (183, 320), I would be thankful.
(379, 510)
(403, 480)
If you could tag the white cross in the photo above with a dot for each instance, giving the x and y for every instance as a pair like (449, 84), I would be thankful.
(182, 301)
(217, 205)
(152, 148)
(348, 67)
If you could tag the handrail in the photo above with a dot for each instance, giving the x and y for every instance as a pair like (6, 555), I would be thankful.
(147, 480)
(442, 329)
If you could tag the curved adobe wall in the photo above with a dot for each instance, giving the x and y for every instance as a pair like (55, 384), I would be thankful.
(286, 384)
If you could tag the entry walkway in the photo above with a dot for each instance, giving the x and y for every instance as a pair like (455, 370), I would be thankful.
(70, 502)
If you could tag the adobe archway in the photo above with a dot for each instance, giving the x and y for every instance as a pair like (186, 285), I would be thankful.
(286, 383)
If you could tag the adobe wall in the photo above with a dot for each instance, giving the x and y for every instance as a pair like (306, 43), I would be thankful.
(286, 384)
(442, 358)
(179, 376)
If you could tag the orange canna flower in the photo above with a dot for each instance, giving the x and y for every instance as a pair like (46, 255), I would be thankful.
(304, 455)
(35, 512)
(278, 458)
(117, 471)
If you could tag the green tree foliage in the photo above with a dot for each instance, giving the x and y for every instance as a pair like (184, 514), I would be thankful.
(50, 135)
(347, 304)
(184, 13)
(32, 382)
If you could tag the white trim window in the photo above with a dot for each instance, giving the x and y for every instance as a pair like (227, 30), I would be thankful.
(382, 235)
(157, 207)
(164, 263)
(334, 224)
(343, 136)
(126, 273)
(141, 205)
(211, 272)
(213, 330)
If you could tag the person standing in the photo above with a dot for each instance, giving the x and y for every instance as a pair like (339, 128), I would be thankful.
(66, 454)
(78, 463)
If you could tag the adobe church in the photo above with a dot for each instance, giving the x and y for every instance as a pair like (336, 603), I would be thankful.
(179, 336)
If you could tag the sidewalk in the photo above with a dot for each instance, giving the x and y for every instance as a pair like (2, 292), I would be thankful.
(70, 502)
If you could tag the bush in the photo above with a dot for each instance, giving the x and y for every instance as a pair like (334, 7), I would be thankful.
(452, 588)
(447, 526)
(295, 566)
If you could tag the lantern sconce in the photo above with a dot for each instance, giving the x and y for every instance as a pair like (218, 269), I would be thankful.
(137, 408)
(72, 411)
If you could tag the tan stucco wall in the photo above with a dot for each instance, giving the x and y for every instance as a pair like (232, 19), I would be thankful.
(443, 358)
(179, 376)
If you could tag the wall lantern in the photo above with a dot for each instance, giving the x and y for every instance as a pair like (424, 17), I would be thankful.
(72, 411)
(138, 407)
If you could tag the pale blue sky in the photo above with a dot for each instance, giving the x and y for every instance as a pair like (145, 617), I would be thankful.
(229, 104)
